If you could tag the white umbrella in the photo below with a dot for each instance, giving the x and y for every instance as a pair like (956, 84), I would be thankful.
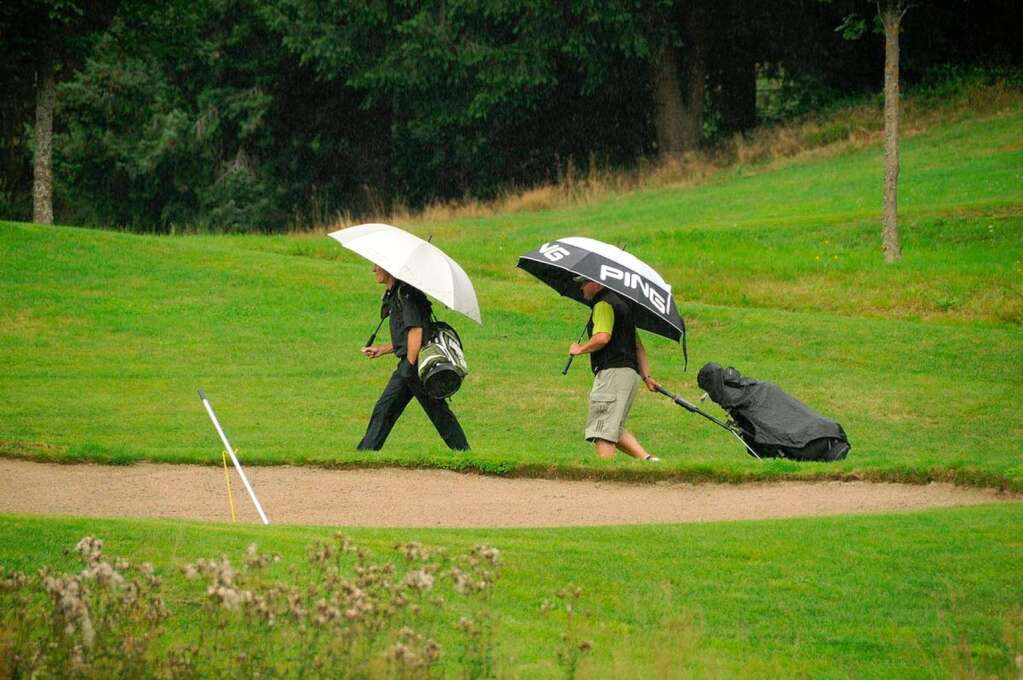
(410, 259)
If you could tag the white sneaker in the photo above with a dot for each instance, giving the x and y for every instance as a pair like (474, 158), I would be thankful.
(652, 459)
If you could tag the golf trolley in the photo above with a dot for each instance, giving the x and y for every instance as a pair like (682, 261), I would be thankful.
(692, 408)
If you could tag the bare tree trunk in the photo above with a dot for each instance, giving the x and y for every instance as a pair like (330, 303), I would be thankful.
(695, 55)
(891, 16)
(678, 106)
(668, 107)
(42, 188)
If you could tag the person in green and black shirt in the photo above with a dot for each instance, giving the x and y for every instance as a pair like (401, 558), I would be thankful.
(619, 364)
(408, 313)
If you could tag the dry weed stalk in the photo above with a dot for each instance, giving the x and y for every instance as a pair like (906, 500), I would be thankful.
(573, 646)
(355, 616)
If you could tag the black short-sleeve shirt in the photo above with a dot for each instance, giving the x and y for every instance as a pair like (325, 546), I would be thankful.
(407, 308)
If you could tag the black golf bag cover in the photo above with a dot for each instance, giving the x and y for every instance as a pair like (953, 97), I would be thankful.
(774, 424)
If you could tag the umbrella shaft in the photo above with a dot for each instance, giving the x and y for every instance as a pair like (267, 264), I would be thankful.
(374, 334)
(568, 364)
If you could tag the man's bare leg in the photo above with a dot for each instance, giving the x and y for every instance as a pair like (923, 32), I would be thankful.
(605, 449)
(628, 443)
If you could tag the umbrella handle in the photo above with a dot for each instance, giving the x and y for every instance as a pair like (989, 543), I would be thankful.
(568, 364)
(373, 336)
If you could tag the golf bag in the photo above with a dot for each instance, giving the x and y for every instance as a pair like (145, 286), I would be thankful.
(442, 364)
(772, 423)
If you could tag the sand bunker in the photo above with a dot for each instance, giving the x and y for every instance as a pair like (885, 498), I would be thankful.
(432, 498)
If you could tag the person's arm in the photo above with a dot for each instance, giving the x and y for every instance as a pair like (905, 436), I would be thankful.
(644, 366)
(596, 342)
(603, 326)
(375, 351)
(415, 343)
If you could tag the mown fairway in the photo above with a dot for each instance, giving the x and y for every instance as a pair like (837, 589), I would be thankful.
(105, 336)
(933, 594)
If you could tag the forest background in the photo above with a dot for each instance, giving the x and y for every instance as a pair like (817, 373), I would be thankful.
(268, 116)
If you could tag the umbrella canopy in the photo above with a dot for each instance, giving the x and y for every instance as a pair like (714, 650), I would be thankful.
(410, 259)
(557, 263)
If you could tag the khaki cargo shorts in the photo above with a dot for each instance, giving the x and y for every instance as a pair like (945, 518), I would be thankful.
(614, 390)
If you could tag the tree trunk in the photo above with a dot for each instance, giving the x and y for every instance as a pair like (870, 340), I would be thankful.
(678, 106)
(42, 189)
(891, 17)
(668, 106)
(695, 55)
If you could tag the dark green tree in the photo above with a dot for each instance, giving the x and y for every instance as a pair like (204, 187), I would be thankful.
(49, 39)
(195, 115)
(256, 114)
(448, 90)
(664, 43)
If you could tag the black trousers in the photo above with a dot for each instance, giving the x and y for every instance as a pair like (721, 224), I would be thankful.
(403, 385)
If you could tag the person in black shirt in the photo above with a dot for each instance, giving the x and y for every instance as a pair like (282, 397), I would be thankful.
(619, 363)
(409, 320)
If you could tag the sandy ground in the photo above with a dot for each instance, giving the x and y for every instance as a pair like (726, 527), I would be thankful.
(431, 498)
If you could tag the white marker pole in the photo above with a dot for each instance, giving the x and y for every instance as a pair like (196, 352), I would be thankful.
(234, 459)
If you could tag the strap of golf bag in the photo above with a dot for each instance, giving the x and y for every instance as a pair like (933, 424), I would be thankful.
(433, 326)
(458, 336)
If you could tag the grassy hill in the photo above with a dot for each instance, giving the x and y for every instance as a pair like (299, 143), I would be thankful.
(105, 336)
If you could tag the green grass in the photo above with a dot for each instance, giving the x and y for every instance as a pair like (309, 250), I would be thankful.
(105, 336)
(920, 595)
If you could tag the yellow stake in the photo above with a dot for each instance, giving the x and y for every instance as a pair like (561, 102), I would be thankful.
(227, 478)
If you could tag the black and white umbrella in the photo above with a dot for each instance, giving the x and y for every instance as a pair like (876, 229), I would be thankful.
(557, 263)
